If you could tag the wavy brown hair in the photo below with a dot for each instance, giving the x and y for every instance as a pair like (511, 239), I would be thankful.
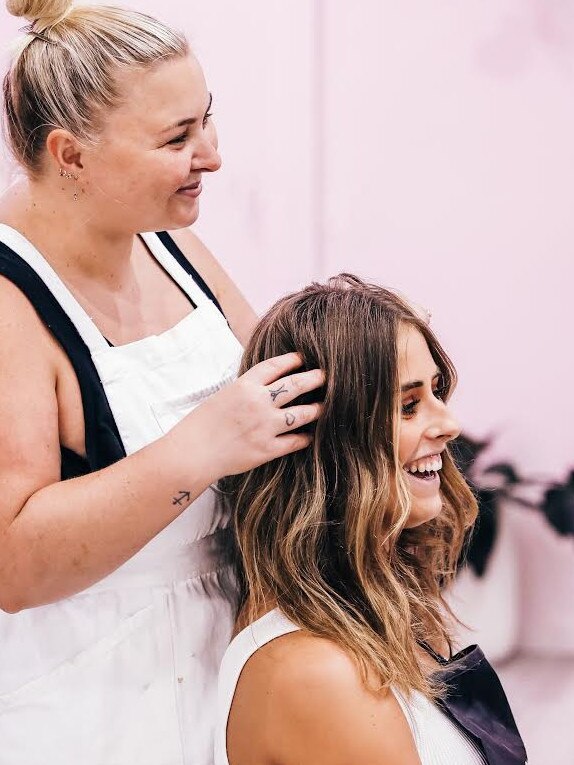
(322, 531)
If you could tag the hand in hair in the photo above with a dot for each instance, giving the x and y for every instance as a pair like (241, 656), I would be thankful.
(255, 425)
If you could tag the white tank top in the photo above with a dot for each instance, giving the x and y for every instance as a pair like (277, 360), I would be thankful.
(437, 739)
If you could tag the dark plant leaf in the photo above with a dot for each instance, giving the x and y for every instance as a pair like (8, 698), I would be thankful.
(558, 506)
(465, 452)
(506, 470)
(483, 535)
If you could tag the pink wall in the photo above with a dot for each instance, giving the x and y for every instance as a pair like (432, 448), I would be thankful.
(424, 145)
(449, 165)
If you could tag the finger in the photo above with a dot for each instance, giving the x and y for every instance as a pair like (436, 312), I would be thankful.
(286, 389)
(270, 370)
(292, 442)
(297, 416)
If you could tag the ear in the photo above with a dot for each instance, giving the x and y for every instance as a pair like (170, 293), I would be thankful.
(65, 150)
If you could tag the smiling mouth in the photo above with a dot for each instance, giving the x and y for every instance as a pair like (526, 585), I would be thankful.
(428, 475)
(425, 469)
(191, 187)
(192, 190)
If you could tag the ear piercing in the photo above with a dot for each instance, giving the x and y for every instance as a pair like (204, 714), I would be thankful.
(69, 176)
(66, 174)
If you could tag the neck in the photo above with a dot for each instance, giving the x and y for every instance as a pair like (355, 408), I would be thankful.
(63, 230)
(250, 612)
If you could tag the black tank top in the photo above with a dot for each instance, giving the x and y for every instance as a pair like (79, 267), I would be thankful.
(103, 442)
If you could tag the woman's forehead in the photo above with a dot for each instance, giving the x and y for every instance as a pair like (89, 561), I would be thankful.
(414, 356)
(163, 95)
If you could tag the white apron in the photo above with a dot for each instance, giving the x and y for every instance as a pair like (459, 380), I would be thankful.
(125, 672)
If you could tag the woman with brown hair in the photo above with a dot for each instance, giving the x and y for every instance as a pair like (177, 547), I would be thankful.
(119, 346)
(343, 552)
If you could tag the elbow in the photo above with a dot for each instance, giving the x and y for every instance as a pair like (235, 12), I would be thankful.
(11, 604)
(18, 587)
(12, 598)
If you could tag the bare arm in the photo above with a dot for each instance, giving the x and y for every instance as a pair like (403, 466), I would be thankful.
(300, 701)
(242, 318)
(57, 538)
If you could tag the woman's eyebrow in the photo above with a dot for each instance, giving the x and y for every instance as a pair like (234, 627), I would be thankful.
(410, 385)
(418, 383)
(188, 120)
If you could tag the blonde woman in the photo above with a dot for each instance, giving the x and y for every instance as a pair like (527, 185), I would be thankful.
(342, 553)
(115, 592)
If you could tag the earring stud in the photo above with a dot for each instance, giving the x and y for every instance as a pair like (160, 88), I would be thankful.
(67, 175)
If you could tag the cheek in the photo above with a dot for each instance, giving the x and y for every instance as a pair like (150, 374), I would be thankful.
(160, 174)
(408, 441)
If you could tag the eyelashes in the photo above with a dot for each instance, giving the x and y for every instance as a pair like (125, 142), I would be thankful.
(178, 139)
(182, 137)
(442, 392)
(410, 408)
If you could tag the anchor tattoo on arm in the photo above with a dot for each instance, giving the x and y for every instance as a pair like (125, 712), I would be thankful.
(278, 391)
(182, 498)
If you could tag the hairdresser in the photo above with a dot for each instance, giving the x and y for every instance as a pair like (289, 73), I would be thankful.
(119, 407)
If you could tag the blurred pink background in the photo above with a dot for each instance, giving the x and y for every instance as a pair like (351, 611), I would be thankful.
(424, 145)
(427, 146)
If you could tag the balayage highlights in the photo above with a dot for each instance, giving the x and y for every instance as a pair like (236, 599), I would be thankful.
(322, 531)
(67, 78)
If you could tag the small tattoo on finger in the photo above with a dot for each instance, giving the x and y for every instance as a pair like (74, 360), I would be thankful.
(278, 391)
(289, 419)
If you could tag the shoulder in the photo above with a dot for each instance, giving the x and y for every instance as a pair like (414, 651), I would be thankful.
(28, 352)
(197, 253)
(294, 665)
(204, 262)
(240, 315)
(18, 317)
(29, 457)
(29, 360)
(316, 707)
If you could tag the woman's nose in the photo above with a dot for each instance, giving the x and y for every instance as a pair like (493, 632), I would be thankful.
(212, 160)
(445, 426)
(206, 157)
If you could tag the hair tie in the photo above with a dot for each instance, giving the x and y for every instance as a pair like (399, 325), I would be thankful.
(40, 26)
(29, 30)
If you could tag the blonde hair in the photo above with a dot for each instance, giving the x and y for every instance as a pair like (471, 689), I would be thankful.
(63, 73)
(322, 531)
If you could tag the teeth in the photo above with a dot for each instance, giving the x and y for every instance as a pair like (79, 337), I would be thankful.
(425, 465)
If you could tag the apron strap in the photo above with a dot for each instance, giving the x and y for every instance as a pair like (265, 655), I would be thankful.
(86, 328)
(436, 656)
(88, 331)
(174, 269)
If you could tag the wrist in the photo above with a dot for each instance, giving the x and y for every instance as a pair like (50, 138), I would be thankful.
(189, 455)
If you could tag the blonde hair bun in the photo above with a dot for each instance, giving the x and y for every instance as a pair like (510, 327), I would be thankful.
(47, 12)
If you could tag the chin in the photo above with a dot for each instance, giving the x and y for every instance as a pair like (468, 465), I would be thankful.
(186, 220)
(178, 220)
(423, 512)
